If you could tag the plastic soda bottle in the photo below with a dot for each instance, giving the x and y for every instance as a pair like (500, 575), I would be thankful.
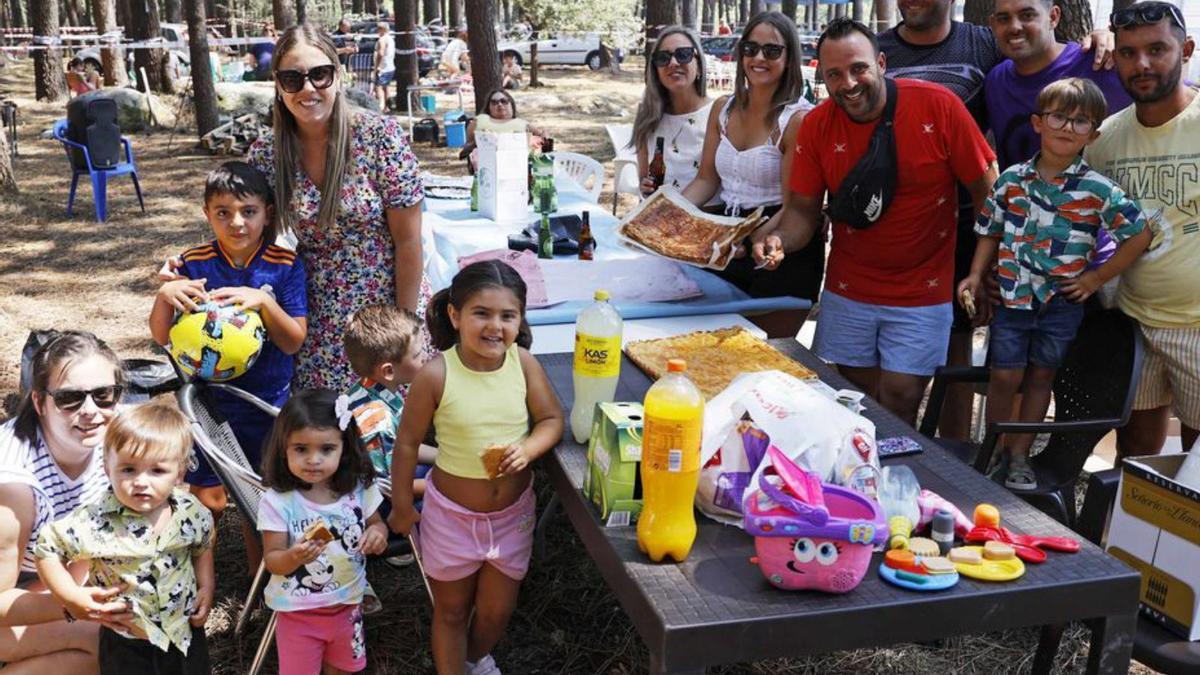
(674, 416)
(597, 362)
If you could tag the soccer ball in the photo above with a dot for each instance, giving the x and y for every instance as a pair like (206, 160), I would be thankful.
(217, 343)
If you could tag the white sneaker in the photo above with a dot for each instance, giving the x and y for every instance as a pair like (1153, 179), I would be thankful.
(484, 666)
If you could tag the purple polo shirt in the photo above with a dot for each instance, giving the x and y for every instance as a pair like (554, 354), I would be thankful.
(1011, 99)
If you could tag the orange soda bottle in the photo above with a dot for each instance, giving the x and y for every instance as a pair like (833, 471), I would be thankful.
(674, 416)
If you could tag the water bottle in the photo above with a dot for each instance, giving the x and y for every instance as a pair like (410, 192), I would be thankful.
(674, 418)
(898, 497)
(597, 362)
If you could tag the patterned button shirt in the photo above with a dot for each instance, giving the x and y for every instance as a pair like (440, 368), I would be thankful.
(376, 412)
(156, 570)
(1048, 229)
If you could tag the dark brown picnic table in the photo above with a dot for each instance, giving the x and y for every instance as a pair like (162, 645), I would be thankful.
(717, 608)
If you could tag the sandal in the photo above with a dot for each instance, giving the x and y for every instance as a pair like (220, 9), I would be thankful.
(1020, 477)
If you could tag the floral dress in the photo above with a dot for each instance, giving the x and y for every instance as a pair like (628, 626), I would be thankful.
(352, 264)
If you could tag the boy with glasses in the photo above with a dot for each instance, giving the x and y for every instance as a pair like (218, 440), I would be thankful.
(1043, 219)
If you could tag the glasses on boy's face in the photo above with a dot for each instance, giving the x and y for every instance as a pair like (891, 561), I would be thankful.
(1146, 13)
(70, 400)
(292, 81)
(682, 56)
(1058, 121)
(770, 51)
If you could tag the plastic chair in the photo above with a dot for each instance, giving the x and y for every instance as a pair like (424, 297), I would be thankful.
(214, 437)
(99, 176)
(625, 175)
(581, 169)
(1093, 394)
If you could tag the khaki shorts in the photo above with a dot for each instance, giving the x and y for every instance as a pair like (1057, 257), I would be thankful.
(1171, 373)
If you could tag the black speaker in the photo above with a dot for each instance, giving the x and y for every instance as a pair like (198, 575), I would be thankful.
(92, 121)
(426, 131)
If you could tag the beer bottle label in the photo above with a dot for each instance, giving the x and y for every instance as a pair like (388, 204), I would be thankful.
(671, 445)
(597, 356)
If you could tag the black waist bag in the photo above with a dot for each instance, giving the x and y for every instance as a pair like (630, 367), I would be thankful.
(868, 189)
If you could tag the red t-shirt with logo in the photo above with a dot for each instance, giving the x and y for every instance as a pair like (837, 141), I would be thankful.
(907, 257)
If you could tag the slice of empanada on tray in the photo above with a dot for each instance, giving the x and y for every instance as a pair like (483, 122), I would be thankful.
(667, 225)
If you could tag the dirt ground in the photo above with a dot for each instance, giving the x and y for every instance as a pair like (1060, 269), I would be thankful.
(61, 272)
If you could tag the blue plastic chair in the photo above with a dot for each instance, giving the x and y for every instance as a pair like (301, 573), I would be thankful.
(98, 175)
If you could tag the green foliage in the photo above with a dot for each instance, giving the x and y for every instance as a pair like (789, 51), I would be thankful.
(615, 20)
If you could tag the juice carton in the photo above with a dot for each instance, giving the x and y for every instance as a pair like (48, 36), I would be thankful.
(614, 453)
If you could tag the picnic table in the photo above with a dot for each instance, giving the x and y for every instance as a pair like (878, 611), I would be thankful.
(717, 608)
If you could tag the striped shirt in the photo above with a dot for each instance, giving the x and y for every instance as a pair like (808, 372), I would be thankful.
(55, 494)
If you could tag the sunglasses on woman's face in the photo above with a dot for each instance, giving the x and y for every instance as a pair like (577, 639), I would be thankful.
(683, 56)
(770, 51)
(292, 81)
(70, 400)
(500, 101)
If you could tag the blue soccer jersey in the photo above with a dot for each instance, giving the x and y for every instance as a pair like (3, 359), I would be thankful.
(280, 268)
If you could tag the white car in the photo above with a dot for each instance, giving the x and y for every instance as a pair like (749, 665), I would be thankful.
(562, 49)
(171, 33)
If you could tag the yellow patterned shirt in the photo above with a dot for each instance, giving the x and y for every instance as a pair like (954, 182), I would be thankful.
(156, 570)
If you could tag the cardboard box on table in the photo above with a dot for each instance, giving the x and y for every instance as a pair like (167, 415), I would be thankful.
(1155, 529)
(614, 458)
(503, 173)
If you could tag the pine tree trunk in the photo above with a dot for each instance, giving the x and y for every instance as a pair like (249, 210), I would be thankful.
(687, 13)
(456, 14)
(18, 17)
(144, 25)
(789, 9)
(533, 58)
(301, 11)
(173, 9)
(70, 13)
(283, 13)
(708, 24)
(757, 6)
(659, 15)
(857, 10)
(8, 180)
(742, 8)
(406, 44)
(978, 11)
(883, 15)
(112, 60)
(1076, 21)
(204, 94)
(485, 57)
(432, 10)
(50, 79)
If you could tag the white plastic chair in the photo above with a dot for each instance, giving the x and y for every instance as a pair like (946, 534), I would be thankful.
(625, 175)
(581, 169)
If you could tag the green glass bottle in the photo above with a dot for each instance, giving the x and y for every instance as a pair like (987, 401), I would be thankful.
(475, 193)
(545, 238)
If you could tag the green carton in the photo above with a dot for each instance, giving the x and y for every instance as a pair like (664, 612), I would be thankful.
(612, 480)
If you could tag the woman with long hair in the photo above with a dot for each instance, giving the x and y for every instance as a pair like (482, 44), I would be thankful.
(747, 159)
(675, 107)
(347, 185)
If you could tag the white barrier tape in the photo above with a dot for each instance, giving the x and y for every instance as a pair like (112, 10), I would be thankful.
(49, 42)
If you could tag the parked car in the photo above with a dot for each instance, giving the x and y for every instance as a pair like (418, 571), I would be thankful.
(720, 47)
(562, 49)
(171, 33)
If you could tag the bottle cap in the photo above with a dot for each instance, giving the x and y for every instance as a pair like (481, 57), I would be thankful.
(601, 295)
(676, 366)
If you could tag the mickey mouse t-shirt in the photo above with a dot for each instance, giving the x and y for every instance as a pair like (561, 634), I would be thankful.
(338, 575)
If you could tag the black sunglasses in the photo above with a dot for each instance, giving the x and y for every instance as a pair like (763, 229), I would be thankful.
(70, 400)
(292, 81)
(500, 100)
(1146, 13)
(683, 56)
(770, 51)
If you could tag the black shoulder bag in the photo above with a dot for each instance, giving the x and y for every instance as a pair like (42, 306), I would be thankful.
(868, 189)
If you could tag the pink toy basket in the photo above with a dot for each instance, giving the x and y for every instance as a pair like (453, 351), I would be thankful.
(810, 535)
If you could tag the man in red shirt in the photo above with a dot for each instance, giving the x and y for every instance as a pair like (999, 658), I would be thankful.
(886, 308)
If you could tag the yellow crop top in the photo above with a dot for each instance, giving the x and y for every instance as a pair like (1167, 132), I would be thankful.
(477, 410)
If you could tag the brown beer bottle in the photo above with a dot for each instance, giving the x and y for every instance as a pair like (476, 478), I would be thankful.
(587, 244)
(658, 168)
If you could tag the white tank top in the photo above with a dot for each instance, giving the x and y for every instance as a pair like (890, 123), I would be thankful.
(751, 178)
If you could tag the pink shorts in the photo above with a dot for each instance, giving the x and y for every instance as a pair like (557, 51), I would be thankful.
(456, 542)
(308, 638)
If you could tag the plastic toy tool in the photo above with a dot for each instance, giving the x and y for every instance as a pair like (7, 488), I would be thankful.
(1030, 548)
(810, 535)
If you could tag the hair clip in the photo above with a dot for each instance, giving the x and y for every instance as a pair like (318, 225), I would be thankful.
(341, 408)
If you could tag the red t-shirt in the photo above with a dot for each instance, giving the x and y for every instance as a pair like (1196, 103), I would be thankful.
(907, 257)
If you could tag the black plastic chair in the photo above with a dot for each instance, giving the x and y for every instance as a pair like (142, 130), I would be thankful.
(1153, 645)
(1093, 394)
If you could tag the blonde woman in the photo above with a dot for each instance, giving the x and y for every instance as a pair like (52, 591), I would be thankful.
(675, 107)
(363, 246)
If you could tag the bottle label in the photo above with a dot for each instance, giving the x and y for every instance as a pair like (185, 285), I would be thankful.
(671, 445)
(597, 356)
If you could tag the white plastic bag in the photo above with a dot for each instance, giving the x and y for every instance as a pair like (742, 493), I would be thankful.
(820, 435)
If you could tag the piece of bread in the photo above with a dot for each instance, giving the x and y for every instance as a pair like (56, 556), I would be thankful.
(968, 556)
(968, 303)
(491, 457)
(998, 550)
(923, 546)
(937, 565)
(318, 531)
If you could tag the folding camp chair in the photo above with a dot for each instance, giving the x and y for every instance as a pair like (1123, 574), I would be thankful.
(215, 438)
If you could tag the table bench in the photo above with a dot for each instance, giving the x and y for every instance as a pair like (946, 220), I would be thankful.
(717, 608)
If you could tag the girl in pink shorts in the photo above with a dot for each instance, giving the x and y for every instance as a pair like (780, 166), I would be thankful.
(494, 412)
(319, 520)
